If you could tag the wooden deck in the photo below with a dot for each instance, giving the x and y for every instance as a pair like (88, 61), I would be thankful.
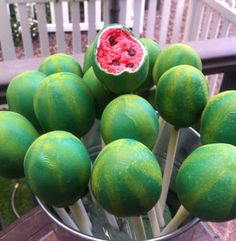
(37, 226)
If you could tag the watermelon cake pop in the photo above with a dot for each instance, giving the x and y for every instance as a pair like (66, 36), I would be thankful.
(206, 182)
(126, 178)
(63, 102)
(60, 62)
(173, 55)
(57, 168)
(218, 120)
(20, 93)
(16, 135)
(100, 94)
(130, 116)
(153, 50)
(181, 95)
(120, 60)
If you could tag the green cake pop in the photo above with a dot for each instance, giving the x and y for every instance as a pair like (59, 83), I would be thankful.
(218, 121)
(130, 116)
(57, 168)
(206, 182)
(181, 95)
(126, 178)
(16, 135)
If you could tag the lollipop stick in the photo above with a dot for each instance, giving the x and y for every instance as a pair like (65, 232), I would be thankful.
(162, 124)
(174, 136)
(65, 217)
(159, 215)
(80, 215)
(178, 219)
(138, 227)
(154, 222)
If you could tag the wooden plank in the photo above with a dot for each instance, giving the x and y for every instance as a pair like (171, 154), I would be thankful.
(91, 21)
(76, 35)
(223, 9)
(206, 22)
(65, 12)
(165, 16)
(123, 12)
(189, 20)
(178, 21)
(25, 30)
(215, 27)
(151, 19)
(42, 27)
(106, 12)
(225, 28)
(6, 39)
(138, 17)
(41, 1)
(197, 21)
(59, 27)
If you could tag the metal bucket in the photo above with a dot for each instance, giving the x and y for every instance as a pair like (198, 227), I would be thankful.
(188, 141)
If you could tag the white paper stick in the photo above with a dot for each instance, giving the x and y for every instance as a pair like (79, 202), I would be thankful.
(81, 217)
(138, 228)
(174, 136)
(65, 217)
(176, 221)
(154, 222)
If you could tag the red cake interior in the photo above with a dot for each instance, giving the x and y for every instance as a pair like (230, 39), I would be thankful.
(118, 51)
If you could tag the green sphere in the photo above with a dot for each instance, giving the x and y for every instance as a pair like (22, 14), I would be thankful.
(16, 135)
(57, 168)
(130, 116)
(153, 50)
(100, 94)
(60, 62)
(63, 102)
(206, 182)
(88, 57)
(173, 55)
(126, 178)
(181, 95)
(218, 120)
(20, 93)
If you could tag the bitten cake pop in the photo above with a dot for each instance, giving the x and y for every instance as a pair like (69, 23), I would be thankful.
(100, 94)
(206, 182)
(126, 178)
(218, 121)
(120, 60)
(130, 116)
(20, 93)
(173, 55)
(181, 95)
(57, 168)
(60, 62)
(16, 135)
(63, 102)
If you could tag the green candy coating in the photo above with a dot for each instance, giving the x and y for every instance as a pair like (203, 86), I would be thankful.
(60, 62)
(20, 93)
(173, 55)
(218, 121)
(206, 182)
(88, 58)
(130, 116)
(153, 52)
(100, 94)
(181, 95)
(126, 178)
(63, 102)
(57, 168)
(16, 135)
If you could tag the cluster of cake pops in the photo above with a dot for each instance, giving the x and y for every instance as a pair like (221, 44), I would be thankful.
(52, 110)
